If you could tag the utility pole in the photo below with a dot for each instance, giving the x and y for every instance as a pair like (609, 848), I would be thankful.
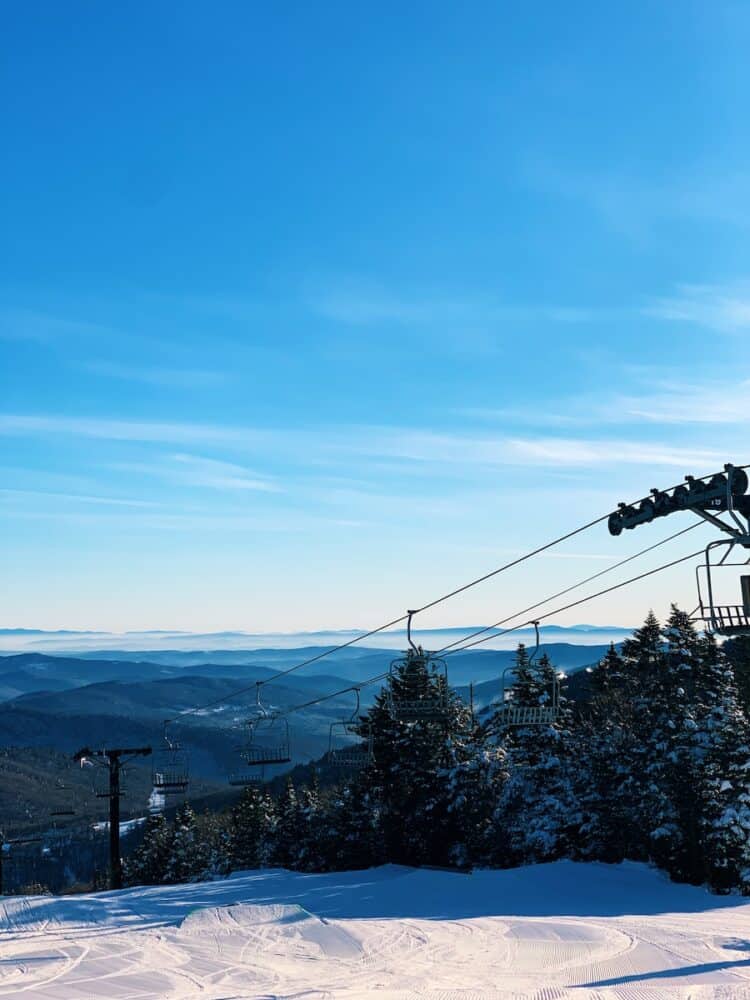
(113, 759)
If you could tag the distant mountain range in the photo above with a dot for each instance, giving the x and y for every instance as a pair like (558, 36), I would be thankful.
(147, 642)
(51, 706)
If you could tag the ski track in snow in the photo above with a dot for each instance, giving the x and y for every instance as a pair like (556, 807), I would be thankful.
(549, 932)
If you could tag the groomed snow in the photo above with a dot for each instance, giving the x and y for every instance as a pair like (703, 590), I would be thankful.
(545, 932)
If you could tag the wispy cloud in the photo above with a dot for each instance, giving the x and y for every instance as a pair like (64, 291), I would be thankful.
(316, 447)
(370, 304)
(178, 378)
(28, 324)
(633, 204)
(78, 498)
(666, 402)
(195, 470)
(129, 430)
(725, 308)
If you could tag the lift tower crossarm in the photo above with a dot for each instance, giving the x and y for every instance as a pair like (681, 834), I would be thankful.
(114, 757)
(723, 493)
(742, 538)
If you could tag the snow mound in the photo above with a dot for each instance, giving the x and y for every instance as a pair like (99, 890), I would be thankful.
(561, 931)
(274, 927)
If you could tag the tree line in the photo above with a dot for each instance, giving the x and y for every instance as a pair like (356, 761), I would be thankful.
(653, 766)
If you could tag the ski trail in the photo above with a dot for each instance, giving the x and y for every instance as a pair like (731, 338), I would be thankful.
(393, 933)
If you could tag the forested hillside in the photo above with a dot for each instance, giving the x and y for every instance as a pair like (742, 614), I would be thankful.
(653, 767)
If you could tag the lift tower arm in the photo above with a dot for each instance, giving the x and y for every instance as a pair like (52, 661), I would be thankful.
(113, 758)
(723, 493)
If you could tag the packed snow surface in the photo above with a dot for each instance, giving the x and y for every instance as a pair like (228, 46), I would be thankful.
(546, 932)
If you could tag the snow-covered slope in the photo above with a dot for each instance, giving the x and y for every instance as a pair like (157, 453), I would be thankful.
(546, 932)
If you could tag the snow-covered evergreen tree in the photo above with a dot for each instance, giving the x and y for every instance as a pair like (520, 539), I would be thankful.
(605, 772)
(147, 865)
(289, 828)
(475, 773)
(407, 779)
(350, 828)
(252, 827)
(189, 859)
(538, 817)
(722, 741)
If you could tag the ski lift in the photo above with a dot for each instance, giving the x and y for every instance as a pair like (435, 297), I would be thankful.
(269, 741)
(246, 778)
(723, 493)
(63, 811)
(418, 708)
(170, 772)
(545, 714)
(728, 620)
(342, 752)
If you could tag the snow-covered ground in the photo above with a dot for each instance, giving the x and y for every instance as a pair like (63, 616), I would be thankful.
(546, 932)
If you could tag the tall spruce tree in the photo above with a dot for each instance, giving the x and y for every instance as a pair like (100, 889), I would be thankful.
(605, 775)
(252, 826)
(290, 830)
(407, 779)
(722, 741)
(147, 865)
(538, 815)
(189, 859)
(351, 832)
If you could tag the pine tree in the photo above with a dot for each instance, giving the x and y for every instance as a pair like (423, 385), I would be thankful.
(722, 741)
(310, 851)
(215, 833)
(252, 825)
(737, 651)
(406, 782)
(189, 858)
(475, 775)
(538, 815)
(605, 774)
(351, 833)
(289, 828)
(147, 865)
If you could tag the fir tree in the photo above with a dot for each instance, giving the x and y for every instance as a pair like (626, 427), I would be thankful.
(350, 828)
(605, 776)
(538, 816)
(722, 741)
(289, 828)
(215, 833)
(189, 858)
(407, 780)
(147, 865)
(252, 826)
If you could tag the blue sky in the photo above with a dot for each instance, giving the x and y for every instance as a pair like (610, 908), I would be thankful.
(310, 312)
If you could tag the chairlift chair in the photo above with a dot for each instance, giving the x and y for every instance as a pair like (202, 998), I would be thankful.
(345, 754)
(170, 773)
(416, 709)
(728, 620)
(246, 778)
(722, 494)
(269, 741)
(509, 715)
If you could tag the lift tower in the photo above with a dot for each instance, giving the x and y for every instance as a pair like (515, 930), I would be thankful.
(113, 758)
(723, 493)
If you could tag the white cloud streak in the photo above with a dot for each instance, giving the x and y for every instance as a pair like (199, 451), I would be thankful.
(330, 446)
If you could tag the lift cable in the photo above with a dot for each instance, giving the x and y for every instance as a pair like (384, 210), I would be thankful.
(590, 597)
(582, 600)
(567, 590)
(256, 685)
